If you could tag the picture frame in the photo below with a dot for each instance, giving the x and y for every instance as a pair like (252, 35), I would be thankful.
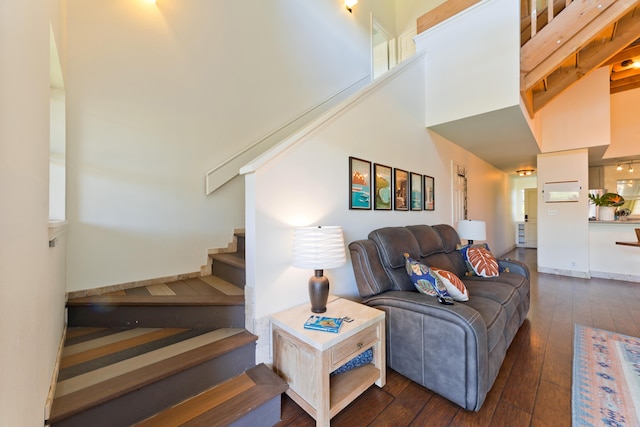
(382, 187)
(359, 184)
(401, 189)
(429, 193)
(416, 191)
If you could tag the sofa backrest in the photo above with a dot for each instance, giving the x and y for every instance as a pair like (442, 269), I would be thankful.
(434, 246)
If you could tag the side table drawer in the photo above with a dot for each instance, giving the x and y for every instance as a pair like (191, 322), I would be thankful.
(349, 348)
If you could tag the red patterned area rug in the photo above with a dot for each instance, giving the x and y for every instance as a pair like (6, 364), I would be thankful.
(606, 378)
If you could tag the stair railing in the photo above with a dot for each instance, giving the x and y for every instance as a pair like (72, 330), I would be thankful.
(534, 16)
(228, 169)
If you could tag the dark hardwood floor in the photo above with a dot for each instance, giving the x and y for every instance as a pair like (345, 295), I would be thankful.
(534, 384)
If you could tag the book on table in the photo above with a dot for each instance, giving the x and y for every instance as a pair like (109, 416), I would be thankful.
(323, 323)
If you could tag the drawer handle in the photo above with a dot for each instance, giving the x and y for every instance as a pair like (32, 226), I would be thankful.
(360, 345)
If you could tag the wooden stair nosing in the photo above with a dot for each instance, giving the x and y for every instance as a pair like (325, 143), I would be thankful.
(101, 347)
(223, 403)
(81, 400)
(157, 300)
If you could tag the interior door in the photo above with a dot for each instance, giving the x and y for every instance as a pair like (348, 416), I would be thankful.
(531, 218)
(380, 59)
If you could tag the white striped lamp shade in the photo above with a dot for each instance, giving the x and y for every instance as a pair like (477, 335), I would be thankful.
(318, 248)
(472, 230)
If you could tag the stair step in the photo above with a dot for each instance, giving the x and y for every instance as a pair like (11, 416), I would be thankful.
(240, 242)
(119, 377)
(232, 258)
(182, 304)
(230, 266)
(235, 400)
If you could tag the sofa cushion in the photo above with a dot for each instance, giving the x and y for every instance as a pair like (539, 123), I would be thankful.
(500, 292)
(450, 243)
(520, 283)
(480, 261)
(392, 243)
(454, 285)
(432, 250)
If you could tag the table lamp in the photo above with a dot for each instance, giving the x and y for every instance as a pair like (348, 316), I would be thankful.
(472, 230)
(318, 248)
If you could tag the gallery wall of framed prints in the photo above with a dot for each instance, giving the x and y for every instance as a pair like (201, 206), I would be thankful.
(382, 187)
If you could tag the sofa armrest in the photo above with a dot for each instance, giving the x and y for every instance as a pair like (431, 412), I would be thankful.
(441, 347)
(514, 267)
(371, 276)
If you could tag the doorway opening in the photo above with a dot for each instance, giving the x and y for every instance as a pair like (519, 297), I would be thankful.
(383, 50)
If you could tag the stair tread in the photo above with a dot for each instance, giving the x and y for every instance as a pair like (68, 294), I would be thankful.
(223, 403)
(232, 258)
(80, 393)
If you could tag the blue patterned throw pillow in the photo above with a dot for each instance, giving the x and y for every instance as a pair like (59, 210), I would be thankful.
(424, 279)
(360, 360)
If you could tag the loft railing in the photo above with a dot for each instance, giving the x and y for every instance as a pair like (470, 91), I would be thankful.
(537, 14)
(228, 169)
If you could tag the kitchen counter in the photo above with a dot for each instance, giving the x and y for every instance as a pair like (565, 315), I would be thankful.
(610, 260)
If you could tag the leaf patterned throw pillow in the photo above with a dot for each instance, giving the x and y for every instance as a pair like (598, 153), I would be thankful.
(480, 261)
(454, 285)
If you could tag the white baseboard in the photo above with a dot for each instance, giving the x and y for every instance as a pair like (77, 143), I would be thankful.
(563, 272)
(54, 377)
(615, 276)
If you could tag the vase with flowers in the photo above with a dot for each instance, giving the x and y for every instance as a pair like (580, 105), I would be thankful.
(607, 204)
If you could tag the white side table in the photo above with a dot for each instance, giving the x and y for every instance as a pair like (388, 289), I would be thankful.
(305, 358)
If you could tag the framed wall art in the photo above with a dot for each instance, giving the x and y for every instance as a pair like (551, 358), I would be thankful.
(429, 197)
(359, 184)
(416, 191)
(401, 189)
(382, 190)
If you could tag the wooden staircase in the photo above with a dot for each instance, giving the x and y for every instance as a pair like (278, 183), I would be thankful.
(166, 354)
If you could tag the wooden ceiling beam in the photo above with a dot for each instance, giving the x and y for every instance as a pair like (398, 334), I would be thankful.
(625, 84)
(572, 29)
(623, 55)
(627, 31)
(621, 75)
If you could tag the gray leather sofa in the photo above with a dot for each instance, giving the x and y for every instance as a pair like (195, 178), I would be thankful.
(454, 350)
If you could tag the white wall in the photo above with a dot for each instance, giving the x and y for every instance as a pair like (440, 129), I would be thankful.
(408, 12)
(32, 289)
(468, 84)
(308, 184)
(580, 117)
(563, 228)
(625, 126)
(57, 156)
(159, 94)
